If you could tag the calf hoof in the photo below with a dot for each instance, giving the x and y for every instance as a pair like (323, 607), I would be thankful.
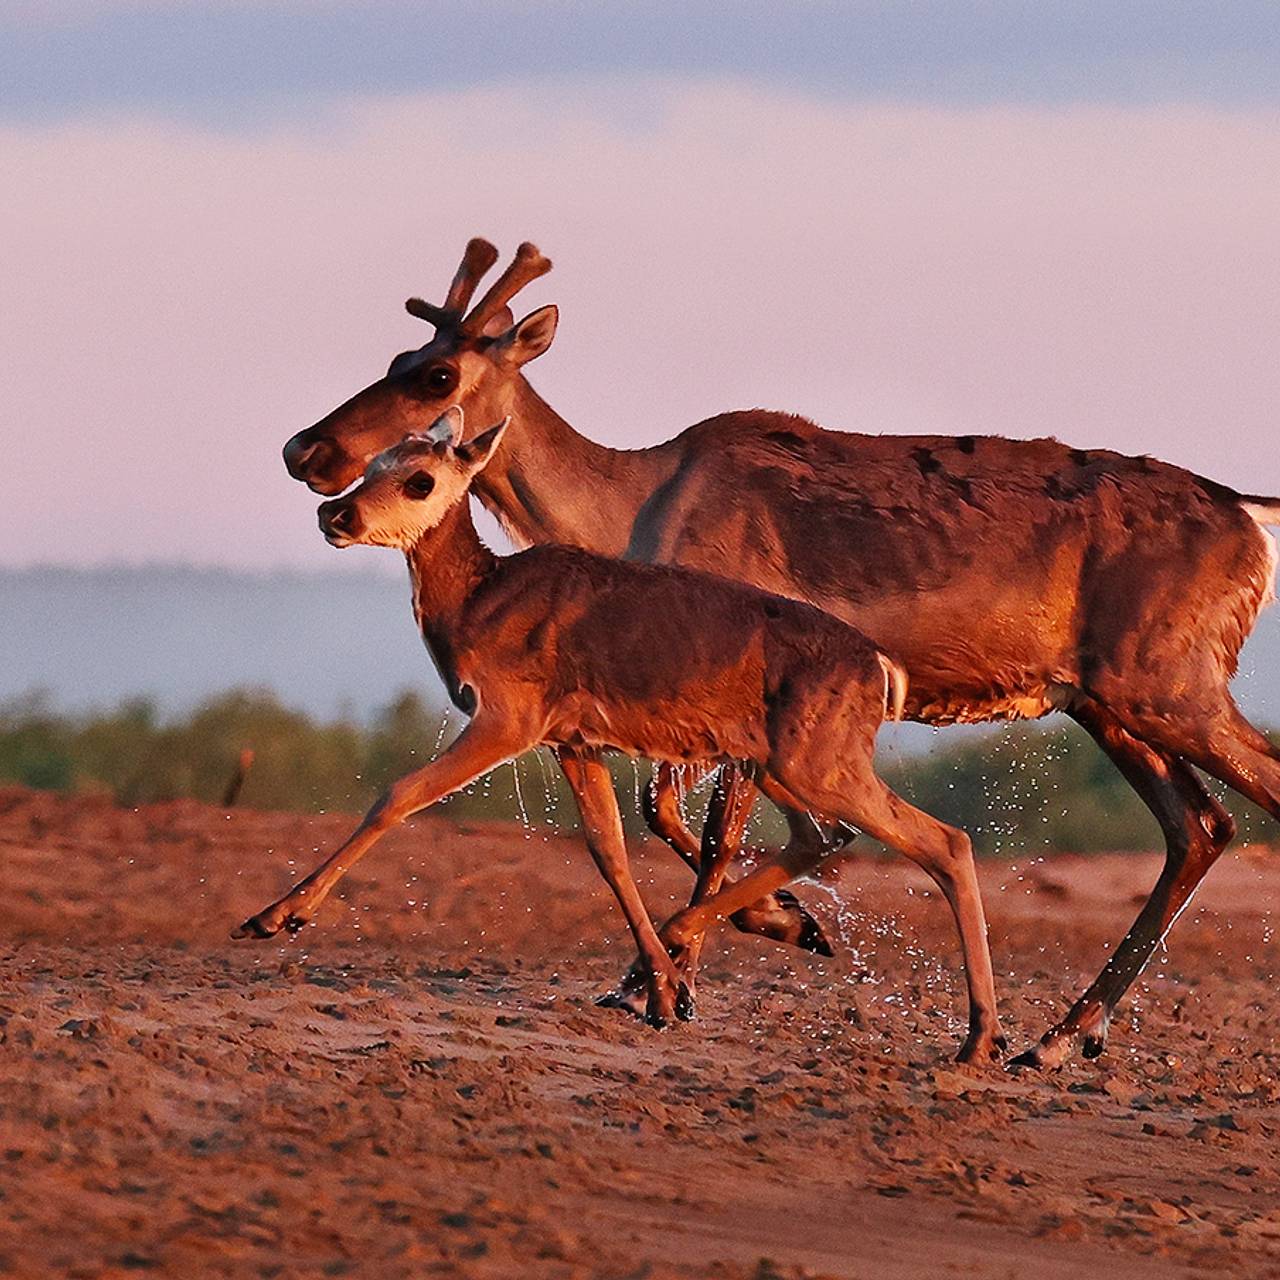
(781, 918)
(659, 1013)
(1048, 1055)
(632, 1001)
(812, 938)
(252, 928)
(981, 1049)
(668, 1001)
(684, 1003)
(1090, 1026)
(266, 925)
(627, 992)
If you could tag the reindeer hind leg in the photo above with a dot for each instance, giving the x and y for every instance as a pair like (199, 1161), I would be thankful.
(1216, 737)
(1196, 829)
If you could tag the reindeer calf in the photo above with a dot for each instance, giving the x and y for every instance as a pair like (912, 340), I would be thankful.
(582, 653)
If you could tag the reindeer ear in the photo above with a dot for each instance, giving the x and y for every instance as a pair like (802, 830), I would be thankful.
(475, 454)
(530, 338)
(447, 428)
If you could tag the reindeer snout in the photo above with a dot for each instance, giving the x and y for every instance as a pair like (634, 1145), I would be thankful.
(305, 459)
(339, 520)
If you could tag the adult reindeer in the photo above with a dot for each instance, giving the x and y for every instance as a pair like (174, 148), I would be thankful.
(1010, 578)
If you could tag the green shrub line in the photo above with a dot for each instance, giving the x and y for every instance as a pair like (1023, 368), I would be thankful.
(1020, 790)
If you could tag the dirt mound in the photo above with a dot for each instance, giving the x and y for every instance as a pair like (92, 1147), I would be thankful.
(421, 1083)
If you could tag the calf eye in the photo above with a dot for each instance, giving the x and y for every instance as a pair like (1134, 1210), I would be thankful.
(419, 485)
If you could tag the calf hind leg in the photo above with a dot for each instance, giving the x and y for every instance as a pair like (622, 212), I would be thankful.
(847, 790)
(944, 852)
(946, 855)
(777, 916)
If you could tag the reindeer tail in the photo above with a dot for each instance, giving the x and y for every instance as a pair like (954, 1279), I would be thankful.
(1263, 510)
(895, 687)
(1266, 511)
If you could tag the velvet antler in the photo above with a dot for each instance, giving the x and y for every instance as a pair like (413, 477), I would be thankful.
(479, 256)
(476, 261)
(527, 266)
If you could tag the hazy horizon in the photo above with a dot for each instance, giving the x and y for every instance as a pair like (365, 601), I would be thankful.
(331, 643)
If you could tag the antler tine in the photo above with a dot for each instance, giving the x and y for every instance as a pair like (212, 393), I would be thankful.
(527, 266)
(441, 317)
(480, 255)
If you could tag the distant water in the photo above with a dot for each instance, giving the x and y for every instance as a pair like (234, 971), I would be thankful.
(326, 643)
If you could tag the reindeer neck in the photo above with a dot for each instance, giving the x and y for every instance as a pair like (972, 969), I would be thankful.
(445, 566)
(548, 483)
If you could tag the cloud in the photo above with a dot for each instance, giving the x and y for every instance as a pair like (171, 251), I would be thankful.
(179, 301)
(237, 64)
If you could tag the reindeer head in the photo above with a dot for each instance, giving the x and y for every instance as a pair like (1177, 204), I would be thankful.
(473, 361)
(410, 487)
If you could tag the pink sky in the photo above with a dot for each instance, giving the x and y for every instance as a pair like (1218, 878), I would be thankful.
(179, 301)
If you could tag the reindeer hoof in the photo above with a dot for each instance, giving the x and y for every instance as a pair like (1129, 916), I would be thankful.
(1094, 1046)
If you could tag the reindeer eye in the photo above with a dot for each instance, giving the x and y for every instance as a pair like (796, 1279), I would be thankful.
(419, 485)
(440, 379)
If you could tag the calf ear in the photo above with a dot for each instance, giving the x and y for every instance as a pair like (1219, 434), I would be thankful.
(475, 454)
(530, 338)
(447, 428)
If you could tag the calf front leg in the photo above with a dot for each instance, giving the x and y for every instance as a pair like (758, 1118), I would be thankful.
(667, 997)
(480, 747)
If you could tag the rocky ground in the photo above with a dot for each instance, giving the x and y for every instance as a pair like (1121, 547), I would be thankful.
(420, 1084)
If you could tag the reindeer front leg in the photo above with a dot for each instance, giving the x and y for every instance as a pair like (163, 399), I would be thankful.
(482, 746)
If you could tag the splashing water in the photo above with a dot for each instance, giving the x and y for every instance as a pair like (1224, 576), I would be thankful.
(444, 728)
(519, 794)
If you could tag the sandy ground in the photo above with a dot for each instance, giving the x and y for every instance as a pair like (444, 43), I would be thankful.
(421, 1084)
